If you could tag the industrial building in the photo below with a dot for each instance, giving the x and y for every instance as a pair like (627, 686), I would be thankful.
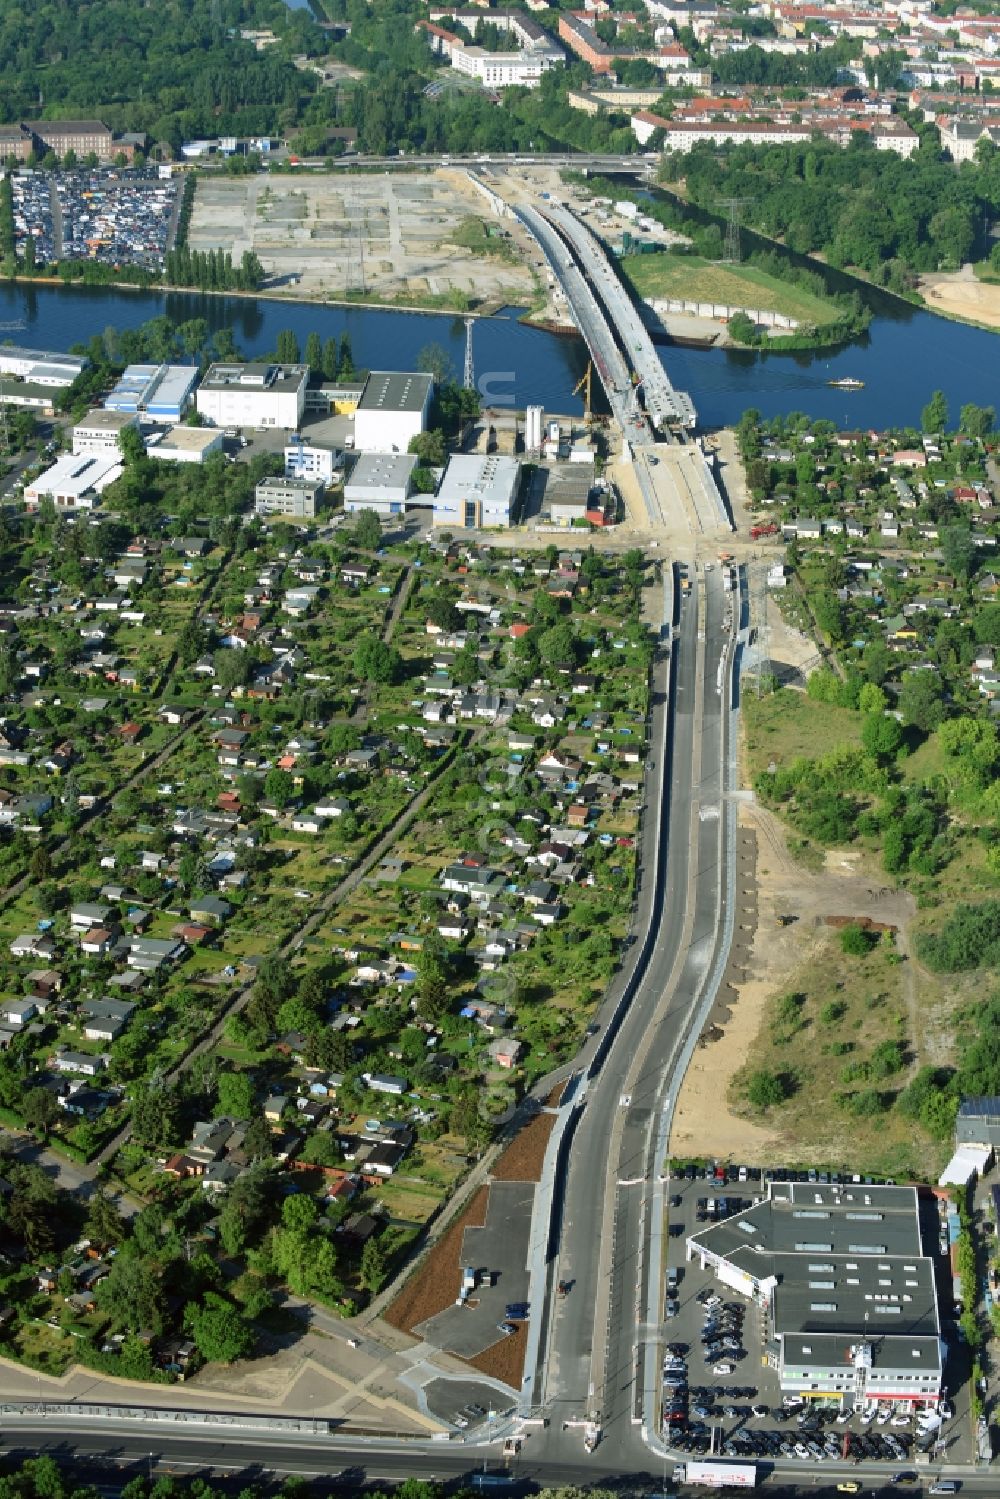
(99, 432)
(382, 482)
(156, 392)
(254, 395)
(40, 367)
(33, 397)
(477, 492)
(848, 1297)
(185, 444)
(75, 482)
(296, 498)
(392, 411)
(308, 460)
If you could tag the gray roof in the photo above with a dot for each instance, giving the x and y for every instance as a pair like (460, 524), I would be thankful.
(845, 1263)
(391, 390)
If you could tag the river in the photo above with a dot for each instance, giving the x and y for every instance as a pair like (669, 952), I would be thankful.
(905, 355)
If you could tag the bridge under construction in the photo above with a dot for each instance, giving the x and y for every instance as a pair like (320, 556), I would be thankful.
(646, 407)
(677, 486)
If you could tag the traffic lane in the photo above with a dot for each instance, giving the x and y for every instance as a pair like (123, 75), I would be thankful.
(573, 1337)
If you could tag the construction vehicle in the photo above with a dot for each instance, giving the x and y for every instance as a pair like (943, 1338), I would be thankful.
(783, 920)
(584, 385)
(763, 528)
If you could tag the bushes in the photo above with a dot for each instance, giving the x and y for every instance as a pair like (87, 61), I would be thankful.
(969, 939)
(766, 1090)
(857, 941)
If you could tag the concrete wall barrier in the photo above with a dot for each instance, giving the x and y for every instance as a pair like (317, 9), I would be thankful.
(723, 311)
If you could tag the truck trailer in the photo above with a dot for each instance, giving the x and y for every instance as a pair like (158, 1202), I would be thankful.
(710, 1474)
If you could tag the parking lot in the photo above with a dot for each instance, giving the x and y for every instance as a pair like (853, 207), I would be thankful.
(118, 216)
(718, 1392)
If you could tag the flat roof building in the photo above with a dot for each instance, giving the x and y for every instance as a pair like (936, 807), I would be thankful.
(186, 445)
(309, 460)
(99, 431)
(40, 366)
(849, 1296)
(392, 411)
(156, 392)
(296, 498)
(477, 492)
(75, 482)
(382, 482)
(254, 395)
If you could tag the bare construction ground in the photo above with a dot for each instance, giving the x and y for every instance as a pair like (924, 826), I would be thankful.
(388, 236)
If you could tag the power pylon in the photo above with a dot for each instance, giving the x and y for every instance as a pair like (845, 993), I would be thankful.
(469, 376)
(731, 251)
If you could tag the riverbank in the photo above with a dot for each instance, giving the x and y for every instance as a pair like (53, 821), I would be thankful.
(961, 295)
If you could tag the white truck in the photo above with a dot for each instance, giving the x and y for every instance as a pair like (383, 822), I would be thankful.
(709, 1474)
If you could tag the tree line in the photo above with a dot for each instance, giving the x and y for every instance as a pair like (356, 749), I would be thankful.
(213, 270)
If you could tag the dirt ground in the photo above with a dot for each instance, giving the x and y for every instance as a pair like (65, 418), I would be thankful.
(505, 1358)
(961, 295)
(437, 1282)
(522, 1160)
(384, 235)
(704, 1123)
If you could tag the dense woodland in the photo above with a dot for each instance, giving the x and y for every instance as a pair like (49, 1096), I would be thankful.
(856, 206)
(175, 69)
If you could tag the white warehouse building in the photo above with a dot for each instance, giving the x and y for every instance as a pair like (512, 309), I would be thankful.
(254, 395)
(393, 409)
(477, 492)
(185, 444)
(75, 481)
(382, 482)
(40, 367)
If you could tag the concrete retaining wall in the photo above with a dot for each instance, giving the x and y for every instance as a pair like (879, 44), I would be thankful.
(723, 312)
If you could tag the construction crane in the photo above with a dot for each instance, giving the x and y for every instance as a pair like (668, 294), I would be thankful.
(584, 385)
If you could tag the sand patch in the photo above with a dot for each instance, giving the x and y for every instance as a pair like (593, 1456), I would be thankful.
(961, 295)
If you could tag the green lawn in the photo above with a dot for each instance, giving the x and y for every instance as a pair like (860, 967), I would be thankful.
(693, 279)
(788, 724)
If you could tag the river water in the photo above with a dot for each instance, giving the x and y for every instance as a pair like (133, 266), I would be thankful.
(905, 355)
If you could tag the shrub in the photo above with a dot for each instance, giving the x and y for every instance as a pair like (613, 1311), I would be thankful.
(865, 1104)
(766, 1090)
(856, 941)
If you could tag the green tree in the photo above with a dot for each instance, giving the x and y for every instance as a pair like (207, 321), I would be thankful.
(131, 1295)
(856, 941)
(976, 421)
(221, 1333)
(959, 551)
(314, 353)
(435, 360)
(920, 699)
(871, 698)
(881, 736)
(40, 1110)
(288, 347)
(104, 1223)
(373, 1266)
(766, 1090)
(934, 416)
(367, 530)
(236, 1095)
(374, 661)
(131, 446)
(429, 447)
